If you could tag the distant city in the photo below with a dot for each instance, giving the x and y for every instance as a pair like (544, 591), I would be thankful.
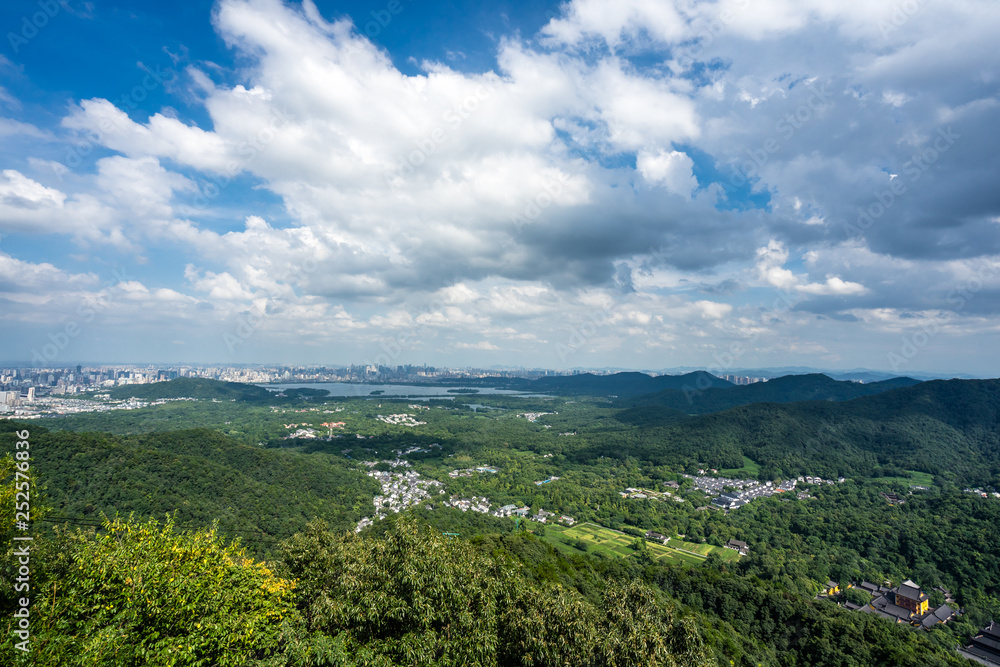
(29, 391)
(80, 379)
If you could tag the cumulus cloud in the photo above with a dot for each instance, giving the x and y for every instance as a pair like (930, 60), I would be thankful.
(771, 271)
(633, 153)
(672, 170)
(832, 286)
(481, 345)
(20, 279)
(27, 206)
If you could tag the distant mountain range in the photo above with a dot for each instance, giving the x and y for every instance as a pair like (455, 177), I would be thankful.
(856, 374)
(622, 384)
(941, 426)
(693, 399)
(700, 392)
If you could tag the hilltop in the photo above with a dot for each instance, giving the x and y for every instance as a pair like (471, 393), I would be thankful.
(203, 475)
(695, 398)
(941, 426)
(195, 388)
(620, 384)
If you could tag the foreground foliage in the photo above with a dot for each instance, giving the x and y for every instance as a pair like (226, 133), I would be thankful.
(143, 593)
(146, 593)
(401, 593)
(415, 597)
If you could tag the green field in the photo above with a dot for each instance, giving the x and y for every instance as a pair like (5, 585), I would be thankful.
(921, 478)
(750, 470)
(612, 543)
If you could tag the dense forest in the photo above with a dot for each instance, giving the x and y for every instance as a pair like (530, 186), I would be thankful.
(260, 525)
(701, 397)
(950, 427)
(150, 593)
(185, 387)
(623, 384)
(201, 475)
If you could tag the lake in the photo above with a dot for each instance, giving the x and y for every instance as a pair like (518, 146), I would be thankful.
(352, 389)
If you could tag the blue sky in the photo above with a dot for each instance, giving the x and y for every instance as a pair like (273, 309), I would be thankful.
(634, 184)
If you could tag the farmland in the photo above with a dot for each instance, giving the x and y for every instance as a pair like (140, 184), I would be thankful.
(615, 544)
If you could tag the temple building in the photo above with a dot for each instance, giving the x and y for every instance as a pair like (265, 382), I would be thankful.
(985, 646)
(904, 604)
(909, 596)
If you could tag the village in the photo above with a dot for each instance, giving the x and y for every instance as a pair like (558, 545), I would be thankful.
(533, 416)
(402, 419)
(401, 490)
(735, 493)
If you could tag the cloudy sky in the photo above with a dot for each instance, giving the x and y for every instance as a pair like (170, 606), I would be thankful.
(629, 183)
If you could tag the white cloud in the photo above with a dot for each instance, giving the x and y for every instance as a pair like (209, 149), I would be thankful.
(27, 206)
(19, 276)
(770, 269)
(673, 170)
(18, 190)
(616, 22)
(713, 310)
(499, 205)
(13, 128)
(160, 137)
(833, 286)
(218, 286)
(481, 345)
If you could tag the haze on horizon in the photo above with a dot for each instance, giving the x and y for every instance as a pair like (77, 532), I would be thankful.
(629, 184)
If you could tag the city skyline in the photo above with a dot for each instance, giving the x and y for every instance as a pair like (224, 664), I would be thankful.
(638, 185)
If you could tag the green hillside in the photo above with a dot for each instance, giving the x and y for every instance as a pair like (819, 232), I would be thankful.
(195, 388)
(441, 586)
(256, 493)
(622, 384)
(947, 426)
(702, 399)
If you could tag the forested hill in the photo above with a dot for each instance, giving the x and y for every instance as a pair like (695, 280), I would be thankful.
(621, 384)
(695, 398)
(258, 494)
(943, 426)
(195, 388)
